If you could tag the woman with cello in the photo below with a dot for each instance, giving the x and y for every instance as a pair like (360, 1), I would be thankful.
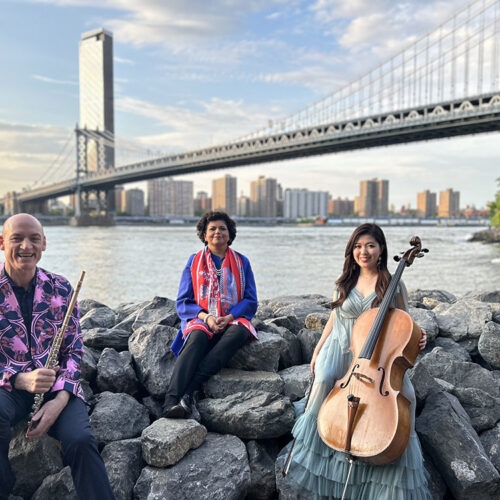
(318, 470)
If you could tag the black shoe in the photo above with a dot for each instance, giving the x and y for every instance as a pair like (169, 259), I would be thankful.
(187, 402)
(175, 411)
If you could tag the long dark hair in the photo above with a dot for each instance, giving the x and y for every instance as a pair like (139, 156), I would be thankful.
(350, 274)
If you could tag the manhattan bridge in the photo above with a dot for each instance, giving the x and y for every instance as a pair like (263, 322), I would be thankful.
(445, 84)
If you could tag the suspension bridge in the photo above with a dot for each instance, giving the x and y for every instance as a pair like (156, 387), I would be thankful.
(446, 84)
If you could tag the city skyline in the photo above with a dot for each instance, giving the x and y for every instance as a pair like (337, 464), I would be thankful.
(190, 74)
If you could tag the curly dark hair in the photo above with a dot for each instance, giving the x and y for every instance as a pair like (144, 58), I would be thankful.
(201, 226)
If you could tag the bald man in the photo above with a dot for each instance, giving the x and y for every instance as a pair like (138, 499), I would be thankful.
(33, 303)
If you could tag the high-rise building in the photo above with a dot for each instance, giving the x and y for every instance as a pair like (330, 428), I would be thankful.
(341, 207)
(202, 203)
(134, 202)
(118, 203)
(243, 206)
(169, 197)
(426, 204)
(449, 203)
(263, 197)
(224, 194)
(373, 199)
(305, 203)
(96, 96)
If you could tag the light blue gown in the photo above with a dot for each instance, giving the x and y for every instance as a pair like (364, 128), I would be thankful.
(321, 470)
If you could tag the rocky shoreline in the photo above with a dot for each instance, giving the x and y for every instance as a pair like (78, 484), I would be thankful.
(487, 236)
(238, 449)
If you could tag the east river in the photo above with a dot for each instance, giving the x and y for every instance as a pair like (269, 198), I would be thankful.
(132, 263)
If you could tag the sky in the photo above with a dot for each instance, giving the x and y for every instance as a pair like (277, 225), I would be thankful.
(191, 73)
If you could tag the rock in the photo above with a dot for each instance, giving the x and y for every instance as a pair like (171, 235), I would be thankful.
(443, 365)
(470, 345)
(457, 350)
(491, 443)
(456, 451)
(482, 408)
(150, 348)
(291, 323)
(435, 483)
(99, 338)
(487, 236)
(126, 309)
(308, 340)
(263, 481)
(300, 310)
(425, 319)
(496, 315)
(217, 470)
(489, 344)
(263, 313)
(230, 381)
(115, 372)
(286, 300)
(154, 406)
(464, 319)
(297, 380)
(291, 350)
(438, 295)
(261, 355)
(429, 303)
(88, 393)
(85, 305)
(88, 366)
(58, 485)
(123, 461)
(167, 440)
(32, 461)
(317, 320)
(491, 296)
(100, 317)
(160, 311)
(250, 415)
(423, 383)
(117, 417)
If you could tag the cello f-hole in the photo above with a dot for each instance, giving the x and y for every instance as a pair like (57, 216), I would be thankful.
(386, 393)
(343, 386)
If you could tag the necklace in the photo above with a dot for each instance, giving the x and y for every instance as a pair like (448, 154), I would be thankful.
(218, 272)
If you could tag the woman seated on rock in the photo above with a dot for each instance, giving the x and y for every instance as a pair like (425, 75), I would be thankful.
(217, 299)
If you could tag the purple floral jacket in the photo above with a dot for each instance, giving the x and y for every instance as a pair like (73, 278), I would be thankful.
(51, 299)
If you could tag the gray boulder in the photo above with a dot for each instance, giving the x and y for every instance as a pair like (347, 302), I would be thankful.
(489, 344)
(425, 319)
(492, 296)
(261, 355)
(482, 408)
(115, 372)
(300, 310)
(160, 311)
(317, 320)
(88, 365)
(263, 312)
(456, 451)
(291, 350)
(126, 309)
(217, 470)
(117, 417)
(154, 406)
(229, 381)
(250, 415)
(491, 443)
(150, 348)
(286, 300)
(308, 340)
(123, 461)
(439, 295)
(99, 338)
(423, 383)
(457, 350)
(263, 481)
(58, 485)
(289, 322)
(32, 461)
(100, 317)
(464, 319)
(297, 380)
(85, 305)
(167, 440)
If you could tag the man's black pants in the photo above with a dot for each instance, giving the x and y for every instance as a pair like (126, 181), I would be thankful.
(200, 358)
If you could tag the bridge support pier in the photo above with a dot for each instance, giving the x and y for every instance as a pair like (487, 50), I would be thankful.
(91, 209)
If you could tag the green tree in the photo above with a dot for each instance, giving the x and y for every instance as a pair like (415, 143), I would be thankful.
(495, 208)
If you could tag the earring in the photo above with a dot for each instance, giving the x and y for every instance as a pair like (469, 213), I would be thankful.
(379, 262)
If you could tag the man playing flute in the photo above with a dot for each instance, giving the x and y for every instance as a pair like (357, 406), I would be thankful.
(33, 303)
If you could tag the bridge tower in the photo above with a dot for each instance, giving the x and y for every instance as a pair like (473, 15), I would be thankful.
(95, 133)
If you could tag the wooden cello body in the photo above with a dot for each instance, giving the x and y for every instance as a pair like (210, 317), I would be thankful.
(365, 414)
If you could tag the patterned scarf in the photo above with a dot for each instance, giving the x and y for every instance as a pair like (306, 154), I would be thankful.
(217, 291)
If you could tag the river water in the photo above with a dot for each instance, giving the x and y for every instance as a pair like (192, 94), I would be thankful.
(131, 263)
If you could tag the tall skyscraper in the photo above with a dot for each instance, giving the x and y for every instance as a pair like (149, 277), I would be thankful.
(426, 204)
(168, 197)
(263, 197)
(224, 194)
(449, 203)
(373, 199)
(305, 203)
(202, 203)
(243, 208)
(96, 96)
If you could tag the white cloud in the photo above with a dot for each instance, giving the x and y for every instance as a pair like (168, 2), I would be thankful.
(121, 60)
(47, 79)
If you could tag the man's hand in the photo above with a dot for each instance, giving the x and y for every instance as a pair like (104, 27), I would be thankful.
(38, 381)
(47, 415)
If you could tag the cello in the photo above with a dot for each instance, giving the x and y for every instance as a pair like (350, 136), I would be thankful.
(365, 415)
